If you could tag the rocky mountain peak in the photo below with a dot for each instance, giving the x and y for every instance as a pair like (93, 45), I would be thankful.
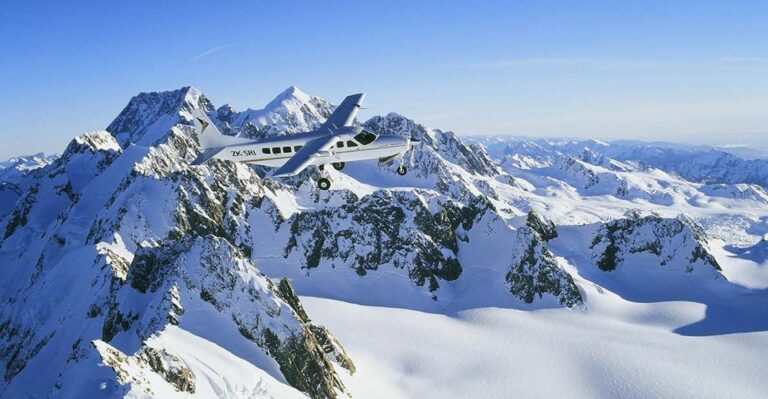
(149, 116)
(679, 242)
(93, 141)
(225, 113)
(534, 272)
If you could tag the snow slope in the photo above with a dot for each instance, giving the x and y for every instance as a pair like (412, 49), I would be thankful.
(616, 349)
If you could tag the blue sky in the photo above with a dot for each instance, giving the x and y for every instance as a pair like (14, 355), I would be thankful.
(684, 71)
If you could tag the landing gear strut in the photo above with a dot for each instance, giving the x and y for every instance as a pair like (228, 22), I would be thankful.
(323, 183)
(338, 165)
(401, 170)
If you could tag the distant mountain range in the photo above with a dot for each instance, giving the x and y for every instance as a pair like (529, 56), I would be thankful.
(694, 163)
(13, 169)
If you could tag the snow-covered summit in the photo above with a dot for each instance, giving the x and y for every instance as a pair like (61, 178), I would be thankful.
(291, 111)
(290, 96)
(94, 141)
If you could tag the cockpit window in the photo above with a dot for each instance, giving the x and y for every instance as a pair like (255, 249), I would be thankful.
(365, 137)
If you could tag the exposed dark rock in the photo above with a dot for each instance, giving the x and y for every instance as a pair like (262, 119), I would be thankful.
(668, 239)
(534, 272)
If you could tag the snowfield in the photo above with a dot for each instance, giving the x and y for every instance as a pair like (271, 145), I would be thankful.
(618, 349)
(497, 267)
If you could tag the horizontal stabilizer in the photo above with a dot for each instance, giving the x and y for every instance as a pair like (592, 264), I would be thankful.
(205, 156)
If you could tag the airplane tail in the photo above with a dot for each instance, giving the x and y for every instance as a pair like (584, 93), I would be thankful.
(210, 138)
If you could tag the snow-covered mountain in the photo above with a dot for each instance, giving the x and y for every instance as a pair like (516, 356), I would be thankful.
(16, 167)
(292, 111)
(12, 171)
(700, 164)
(120, 255)
(129, 273)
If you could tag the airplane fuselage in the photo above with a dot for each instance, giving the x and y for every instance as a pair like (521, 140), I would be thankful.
(276, 151)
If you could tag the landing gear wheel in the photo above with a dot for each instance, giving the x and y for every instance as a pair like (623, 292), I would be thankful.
(323, 183)
(401, 170)
(338, 165)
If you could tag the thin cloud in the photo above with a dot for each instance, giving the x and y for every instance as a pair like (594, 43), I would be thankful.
(745, 60)
(556, 62)
(209, 52)
(527, 62)
(611, 64)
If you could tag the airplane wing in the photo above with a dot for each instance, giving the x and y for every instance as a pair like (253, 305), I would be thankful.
(305, 156)
(345, 113)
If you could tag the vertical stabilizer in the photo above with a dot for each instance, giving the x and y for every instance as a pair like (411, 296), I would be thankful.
(210, 138)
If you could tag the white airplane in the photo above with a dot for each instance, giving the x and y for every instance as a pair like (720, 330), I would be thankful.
(336, 142)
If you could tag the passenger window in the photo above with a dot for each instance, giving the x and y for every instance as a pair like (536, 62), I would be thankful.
(297, 148)
(265, 150)
(287, 149)
(276, 150)
(351, 143)
(339, 144)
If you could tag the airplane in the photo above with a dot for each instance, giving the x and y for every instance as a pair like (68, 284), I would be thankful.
(335, 142)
